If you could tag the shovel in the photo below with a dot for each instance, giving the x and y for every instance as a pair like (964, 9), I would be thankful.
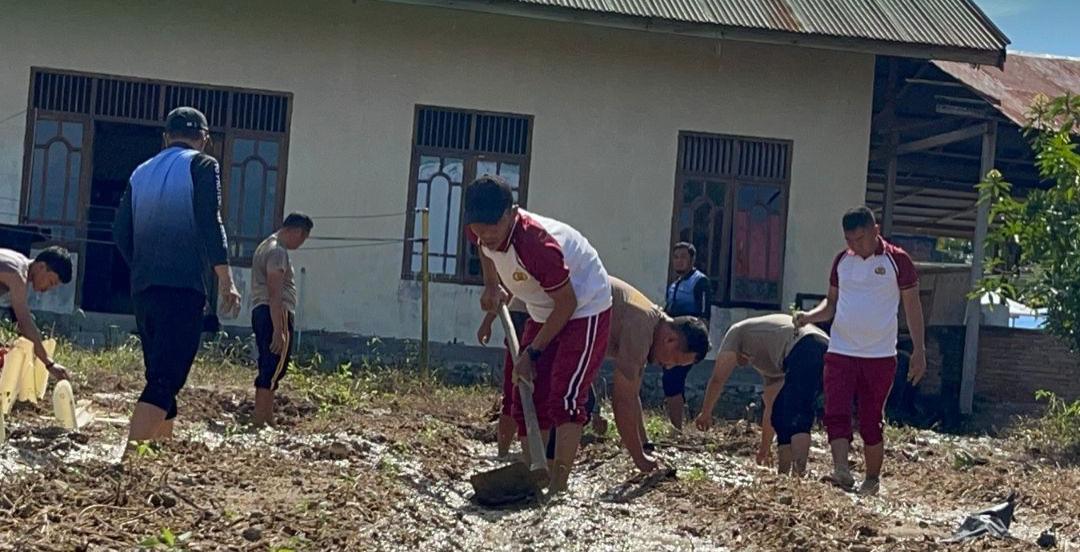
(518, 480)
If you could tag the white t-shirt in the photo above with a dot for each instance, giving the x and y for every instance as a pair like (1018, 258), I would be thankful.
(541, 255)
(865, 325)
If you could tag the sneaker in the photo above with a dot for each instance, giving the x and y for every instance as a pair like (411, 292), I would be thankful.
(842, 479)
(870, 487)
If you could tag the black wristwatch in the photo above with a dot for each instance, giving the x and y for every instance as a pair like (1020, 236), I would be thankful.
(534, 354)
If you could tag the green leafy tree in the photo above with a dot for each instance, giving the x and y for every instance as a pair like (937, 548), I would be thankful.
(1044, 227)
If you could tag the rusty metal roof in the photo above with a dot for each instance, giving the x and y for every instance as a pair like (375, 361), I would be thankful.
(1011, 90)
(939, 29)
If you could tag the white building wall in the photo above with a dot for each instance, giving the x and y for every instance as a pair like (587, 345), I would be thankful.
(608, 105)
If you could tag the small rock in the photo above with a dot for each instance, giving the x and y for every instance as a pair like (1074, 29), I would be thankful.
(338, 450)
(1047, 539)
(162, 501)
(865, 531)
(786, 500)
(252, 534)
(923, 525)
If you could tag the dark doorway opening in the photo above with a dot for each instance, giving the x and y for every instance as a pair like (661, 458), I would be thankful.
(118, 149)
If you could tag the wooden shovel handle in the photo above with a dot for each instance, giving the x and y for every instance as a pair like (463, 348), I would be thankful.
(537, 449)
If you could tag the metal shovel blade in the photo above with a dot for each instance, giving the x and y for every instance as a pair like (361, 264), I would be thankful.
(508, 484)
(518, 480)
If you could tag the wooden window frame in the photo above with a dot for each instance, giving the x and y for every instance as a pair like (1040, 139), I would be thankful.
(81, 229)
(90, 117)
(732, 181)
(469, 158)
(226, 164)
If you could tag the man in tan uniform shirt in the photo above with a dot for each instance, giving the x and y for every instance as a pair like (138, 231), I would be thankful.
(790, 361)
(641, 333)
(273, 300)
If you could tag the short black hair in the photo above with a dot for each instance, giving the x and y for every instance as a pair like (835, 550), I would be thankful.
(695, 335)
(487, 199)
(58, 260)
(689, 247)
(858, 217)
(190, 134)
(298, 220)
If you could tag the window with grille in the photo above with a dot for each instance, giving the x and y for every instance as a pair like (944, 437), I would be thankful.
(731, 203)
(250, 127)
(451, 147)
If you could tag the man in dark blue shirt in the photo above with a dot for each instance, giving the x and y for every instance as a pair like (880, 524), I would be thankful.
(168, 229)
(689, 295)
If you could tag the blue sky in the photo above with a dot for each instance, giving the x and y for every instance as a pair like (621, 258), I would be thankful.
(1039, 26)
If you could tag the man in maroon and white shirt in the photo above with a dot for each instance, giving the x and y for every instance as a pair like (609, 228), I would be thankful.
(868, 281)
(554, 270)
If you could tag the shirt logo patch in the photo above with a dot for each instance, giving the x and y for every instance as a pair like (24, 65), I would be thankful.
(880, 271)
(521, 276)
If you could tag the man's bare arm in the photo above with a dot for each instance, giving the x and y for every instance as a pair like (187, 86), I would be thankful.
(493, 294)
(913, 313)
(487, 268)
(275, 284)
(626, 404)
(824, 312)
(726, 362)
(565, 305)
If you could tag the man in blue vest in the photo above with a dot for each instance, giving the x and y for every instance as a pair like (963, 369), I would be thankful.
(168, 229)
(689, 295)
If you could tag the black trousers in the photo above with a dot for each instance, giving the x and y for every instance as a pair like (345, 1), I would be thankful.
(793, 411)
(170, 328)
(272, 366)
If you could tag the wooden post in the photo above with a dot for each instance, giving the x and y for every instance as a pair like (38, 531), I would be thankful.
(425, 366)
(973, 319)
(888, 210)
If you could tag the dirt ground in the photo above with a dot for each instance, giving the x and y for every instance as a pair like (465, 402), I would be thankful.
(387, 467)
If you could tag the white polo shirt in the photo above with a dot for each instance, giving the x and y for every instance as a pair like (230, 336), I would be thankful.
(866, 325)
(541, 255)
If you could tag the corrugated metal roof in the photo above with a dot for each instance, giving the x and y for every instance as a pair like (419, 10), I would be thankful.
(1015, 86)
(939, 23)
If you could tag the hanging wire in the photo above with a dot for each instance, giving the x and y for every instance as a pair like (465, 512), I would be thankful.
(352, 239)
(355, 217)
(56, 238)
(366, 242)
(12, 116)
(105, 226)
(355, 245)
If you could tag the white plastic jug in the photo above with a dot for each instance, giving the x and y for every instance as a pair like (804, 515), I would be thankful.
(64, 405)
